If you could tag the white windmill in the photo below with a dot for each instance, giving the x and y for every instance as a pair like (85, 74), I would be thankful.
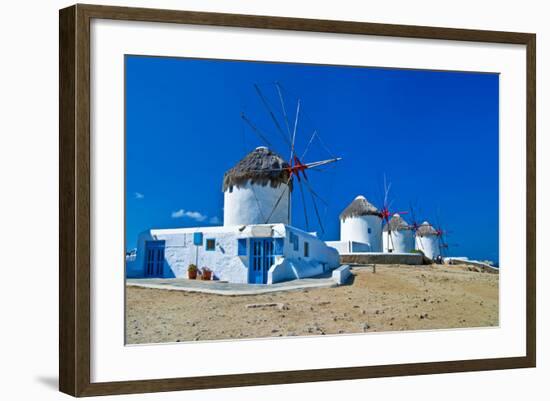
(397, 236)
(361, 222)
(258, 189)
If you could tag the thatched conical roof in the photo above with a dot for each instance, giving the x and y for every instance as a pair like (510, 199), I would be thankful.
(425, 229)
(261, 167)
(396, 223)
(359, 207)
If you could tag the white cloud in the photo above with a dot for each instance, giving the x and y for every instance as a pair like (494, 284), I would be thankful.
(138, 195)
(177, 214)
(196, 216)
(182, 213)
(214, 220)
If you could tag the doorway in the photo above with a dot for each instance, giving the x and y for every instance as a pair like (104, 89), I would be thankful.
(261, 259)
(154, 259)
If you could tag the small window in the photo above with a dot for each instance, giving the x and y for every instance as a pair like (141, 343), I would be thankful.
(241, 251)
(210, 244)
(369, 230)
(296, 243)
(279, 245)
(306, 249)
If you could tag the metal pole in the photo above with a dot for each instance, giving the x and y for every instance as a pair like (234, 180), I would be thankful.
(197, 256)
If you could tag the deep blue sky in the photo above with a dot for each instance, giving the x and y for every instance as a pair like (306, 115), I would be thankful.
(434, 135)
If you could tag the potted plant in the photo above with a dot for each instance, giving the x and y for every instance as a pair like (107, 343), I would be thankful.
(192, 271)
(206, 273)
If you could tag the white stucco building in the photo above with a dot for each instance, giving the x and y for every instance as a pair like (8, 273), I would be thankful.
(255, 245)
(427, 240)
(398, 236)
(360, 228)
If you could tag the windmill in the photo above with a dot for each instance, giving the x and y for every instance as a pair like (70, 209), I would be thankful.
(442, 234)
(415, 226)
(386, 213)
(287, 127)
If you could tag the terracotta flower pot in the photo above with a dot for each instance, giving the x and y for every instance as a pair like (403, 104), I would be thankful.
(192, 274)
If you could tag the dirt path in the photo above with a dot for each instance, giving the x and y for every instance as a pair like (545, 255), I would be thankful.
(393, 298)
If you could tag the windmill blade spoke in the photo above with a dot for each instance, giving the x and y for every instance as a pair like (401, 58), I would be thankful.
(256, 130)
(322, 162)
(278, 86)
(304, 205)
(294, 132)
(306, 181)
(271, 113)
(413, 216)
(278, 200)
(442, 246)
(307, 166)
(386, 192)
(258, 202)
(325, 146)
(309, 144)
(316, 209)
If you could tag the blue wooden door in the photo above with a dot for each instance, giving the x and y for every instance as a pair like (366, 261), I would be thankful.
(261, 259)
(154, 259)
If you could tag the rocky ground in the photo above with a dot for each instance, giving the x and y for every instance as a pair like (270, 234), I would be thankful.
(394, 298)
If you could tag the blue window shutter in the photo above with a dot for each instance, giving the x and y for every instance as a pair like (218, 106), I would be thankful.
(197, 239)
(241, 247)
(279, 245)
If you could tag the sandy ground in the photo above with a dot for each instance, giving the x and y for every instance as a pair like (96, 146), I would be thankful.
(393, 298)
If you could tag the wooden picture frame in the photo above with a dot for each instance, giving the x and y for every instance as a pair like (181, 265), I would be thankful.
(74, 200)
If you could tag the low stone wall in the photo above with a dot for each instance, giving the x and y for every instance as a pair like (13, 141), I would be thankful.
(383, 258)
(483, 267)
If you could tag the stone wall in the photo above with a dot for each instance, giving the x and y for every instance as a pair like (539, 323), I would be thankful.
(382, 258)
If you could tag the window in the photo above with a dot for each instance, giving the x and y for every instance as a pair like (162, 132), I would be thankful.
(369, 230)
(279, 245)
(306, 249)
(293, 239)
(210, 244)
(241, 247)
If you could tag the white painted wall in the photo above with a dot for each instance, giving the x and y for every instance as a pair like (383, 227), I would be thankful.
(429, 245)
(180, 251)
(345, 247)
(357, 229)
(253, 204)
(296, 265)
(402, 241)
(224, 261)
